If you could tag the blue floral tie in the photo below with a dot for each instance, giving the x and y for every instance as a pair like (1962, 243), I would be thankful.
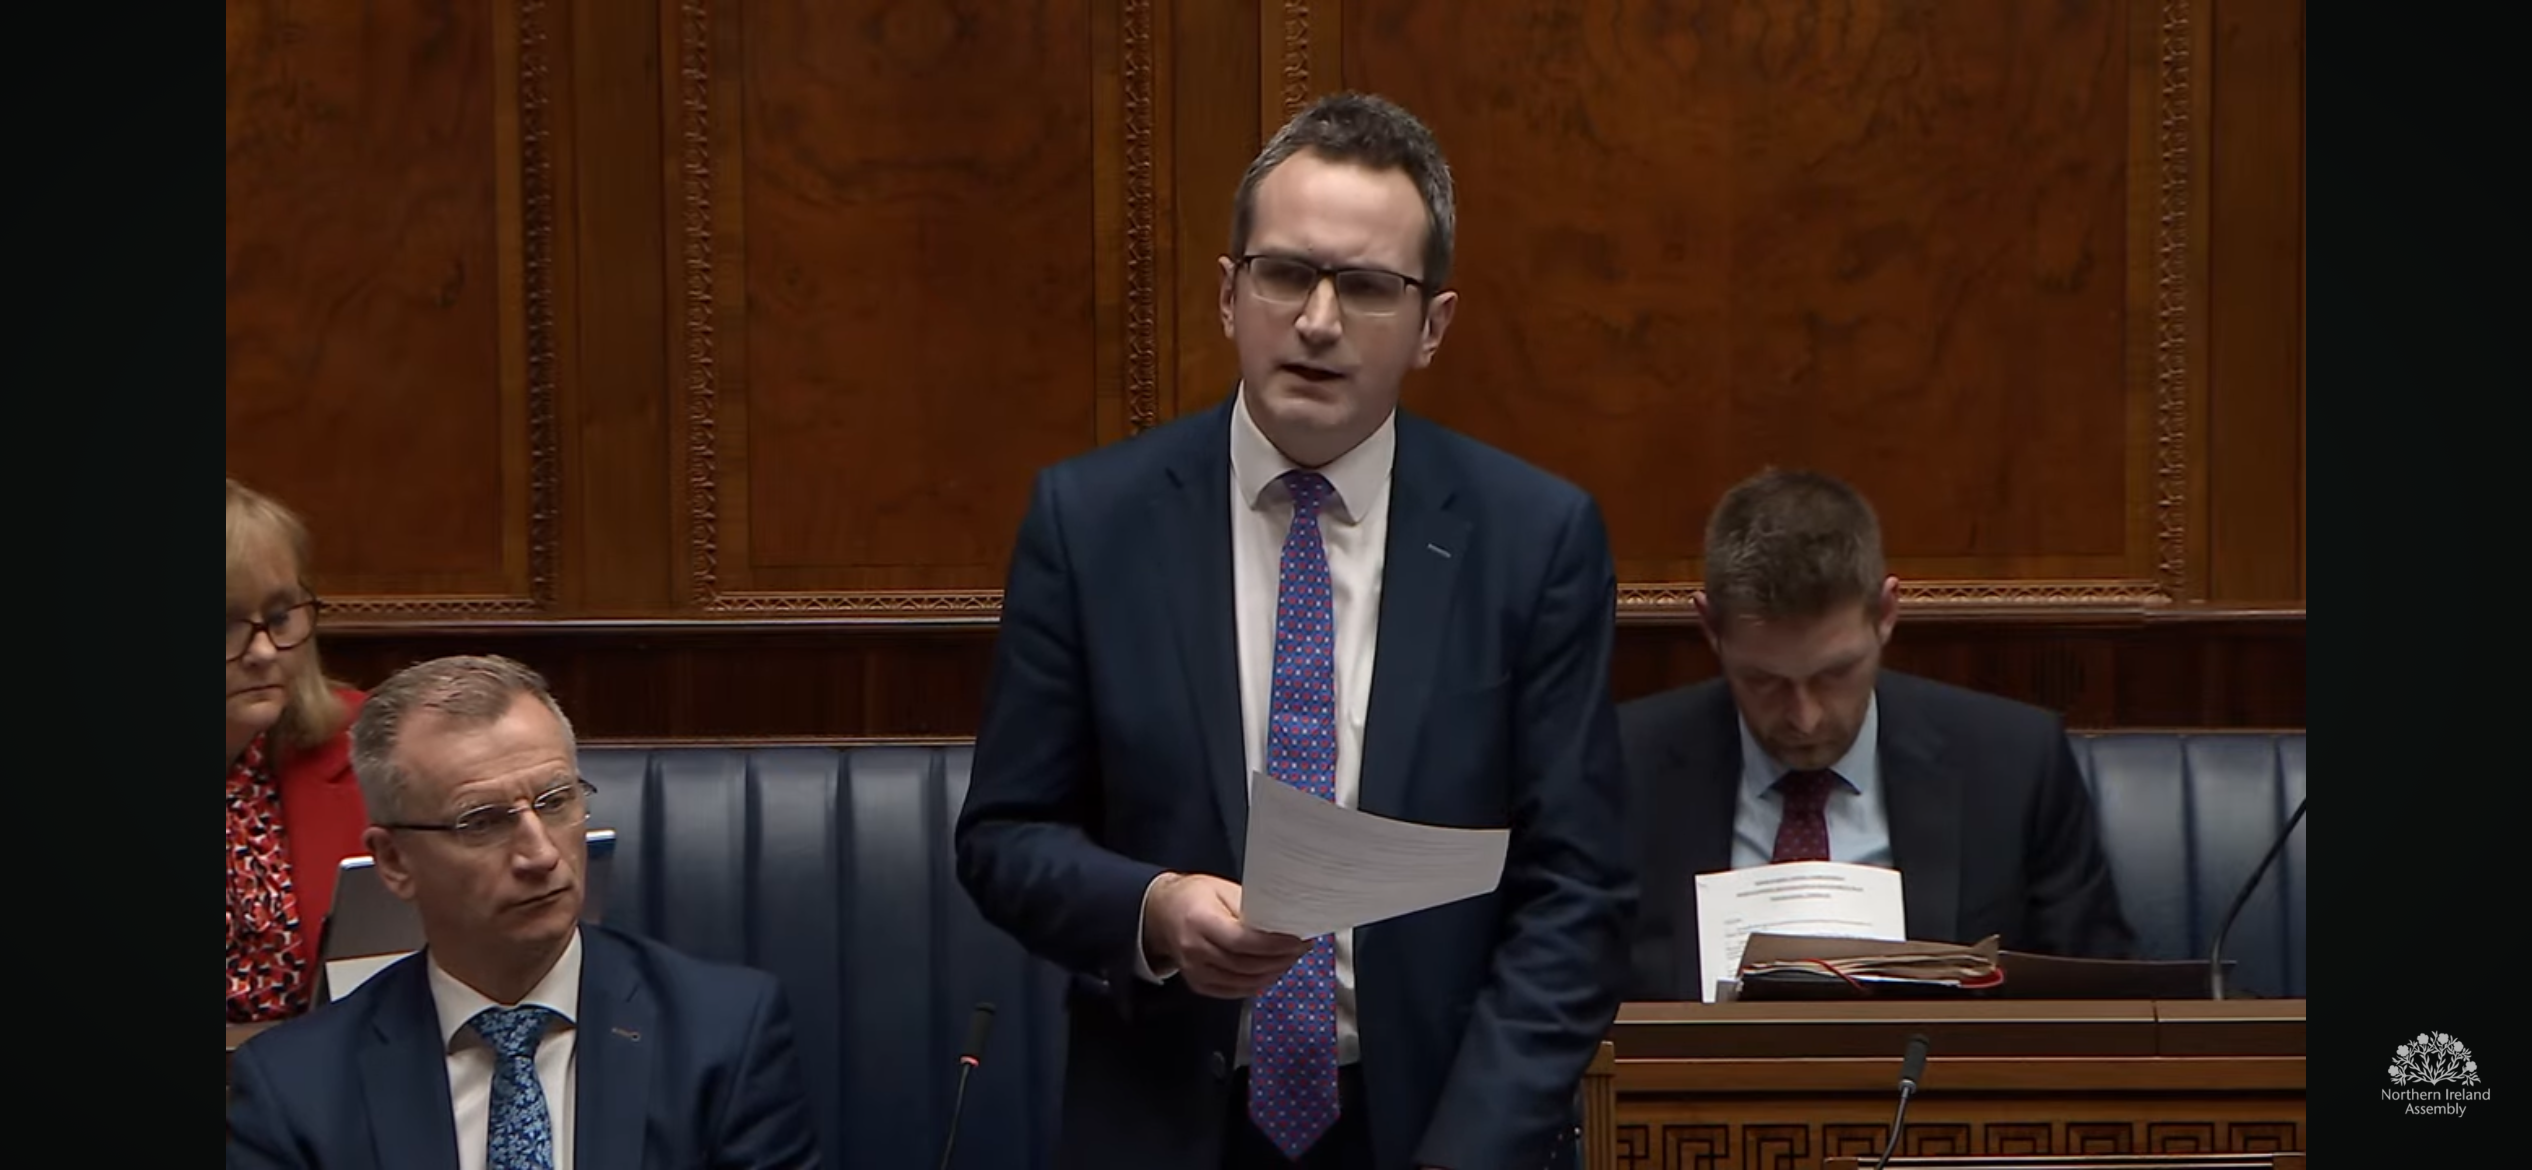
(522, 1131)
(1292, 1040)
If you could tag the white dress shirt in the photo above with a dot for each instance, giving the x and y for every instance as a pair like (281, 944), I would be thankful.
(470, 1058)
(1354, 526)
(1857, 815)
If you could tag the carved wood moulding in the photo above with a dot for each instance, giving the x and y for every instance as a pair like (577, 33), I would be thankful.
(1139, 67)
(536, 226)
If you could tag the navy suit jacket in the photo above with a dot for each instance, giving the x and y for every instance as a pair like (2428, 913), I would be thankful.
(1110, 751)
(682, 1063)
(1991, 828)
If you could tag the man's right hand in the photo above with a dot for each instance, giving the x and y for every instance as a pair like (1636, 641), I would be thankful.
(1191, 922)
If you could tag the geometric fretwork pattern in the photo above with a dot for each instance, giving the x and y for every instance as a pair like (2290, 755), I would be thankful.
(1951, 1139)
(2100, 1137)
(1778, 1145)
(2259, 1137)
(2181, 1137)
(2016, 1138)
(1635, 1150)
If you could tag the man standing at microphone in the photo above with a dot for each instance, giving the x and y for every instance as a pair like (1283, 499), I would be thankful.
(1206, 602)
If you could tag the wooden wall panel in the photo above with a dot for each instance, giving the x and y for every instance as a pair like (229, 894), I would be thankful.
(890, 270)
(392, 292)
(813, 678)
(624, 335)
(2255, 351)
(1943, 250)
(1216, 106)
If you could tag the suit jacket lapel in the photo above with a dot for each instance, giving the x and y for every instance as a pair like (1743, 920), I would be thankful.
(1704, 799)
(1419, 569)
(1922, 796)
(615, 1044)
(1195, 515)
(404, 1075)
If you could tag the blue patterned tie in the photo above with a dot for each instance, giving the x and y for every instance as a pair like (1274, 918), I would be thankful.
(522, 1131)
(1292, 1040)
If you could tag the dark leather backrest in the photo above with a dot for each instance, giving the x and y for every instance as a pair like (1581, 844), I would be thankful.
(2186, 817)
(831, 868)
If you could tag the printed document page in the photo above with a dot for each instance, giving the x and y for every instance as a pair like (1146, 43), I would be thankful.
(1795, 897)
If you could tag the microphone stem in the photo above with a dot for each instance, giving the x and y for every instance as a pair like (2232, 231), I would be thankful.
(1907, 1089)
(957, 1104)
(2215, 948)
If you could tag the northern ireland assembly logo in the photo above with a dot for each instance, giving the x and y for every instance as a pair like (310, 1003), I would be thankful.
(2435, 1075)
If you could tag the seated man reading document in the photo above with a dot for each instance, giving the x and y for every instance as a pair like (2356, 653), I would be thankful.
(519, 1038)
(1806, 750)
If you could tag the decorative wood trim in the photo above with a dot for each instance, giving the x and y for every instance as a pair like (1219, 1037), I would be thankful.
(694, 169)
(1142, 259)
(908, 603)
(1296, 65)
(694, 53)
(536, 186)
(2174, 273)
(1301, 55)
(1670, 599)
(537, 242)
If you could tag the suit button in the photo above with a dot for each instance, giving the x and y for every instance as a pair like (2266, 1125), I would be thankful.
(1218, 1065)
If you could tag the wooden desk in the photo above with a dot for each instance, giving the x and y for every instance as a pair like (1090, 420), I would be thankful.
(2267, 1161)
(1784, 1086)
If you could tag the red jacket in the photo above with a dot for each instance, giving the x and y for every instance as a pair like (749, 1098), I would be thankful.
(321, 821)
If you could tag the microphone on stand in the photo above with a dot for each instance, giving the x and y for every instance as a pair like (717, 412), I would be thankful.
(977, 1026)
(1910, 1070)
(2215, 949)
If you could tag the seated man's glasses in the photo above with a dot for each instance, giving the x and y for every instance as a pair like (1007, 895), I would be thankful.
(563, 807)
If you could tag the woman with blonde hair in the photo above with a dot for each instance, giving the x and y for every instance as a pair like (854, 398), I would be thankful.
(294, 809)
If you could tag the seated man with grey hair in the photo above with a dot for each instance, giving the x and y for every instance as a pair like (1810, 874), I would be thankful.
(1806, 749)
(468, 1053)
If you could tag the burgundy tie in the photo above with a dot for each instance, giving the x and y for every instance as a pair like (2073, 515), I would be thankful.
(1804, 833)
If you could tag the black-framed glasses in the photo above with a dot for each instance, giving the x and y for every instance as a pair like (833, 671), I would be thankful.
(1288, 282)
(563, 807)
(287, 627)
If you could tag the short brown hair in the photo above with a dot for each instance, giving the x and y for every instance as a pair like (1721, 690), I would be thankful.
(1792, 545)
(260, 523)
(1370, 132)
(471, 690)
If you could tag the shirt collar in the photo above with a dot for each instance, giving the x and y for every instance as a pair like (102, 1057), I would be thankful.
(1360, 476)
(459, 1004)
(1860, 767)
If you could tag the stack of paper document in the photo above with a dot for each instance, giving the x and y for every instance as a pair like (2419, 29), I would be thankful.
(1808, 898)
(1857, 960)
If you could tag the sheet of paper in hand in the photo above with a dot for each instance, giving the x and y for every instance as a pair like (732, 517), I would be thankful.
(1314, 868)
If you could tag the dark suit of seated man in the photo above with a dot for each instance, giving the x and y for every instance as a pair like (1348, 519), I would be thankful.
(1805, 749)
(467, 1056)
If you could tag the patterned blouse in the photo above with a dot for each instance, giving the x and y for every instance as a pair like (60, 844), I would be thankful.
(268, 978)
